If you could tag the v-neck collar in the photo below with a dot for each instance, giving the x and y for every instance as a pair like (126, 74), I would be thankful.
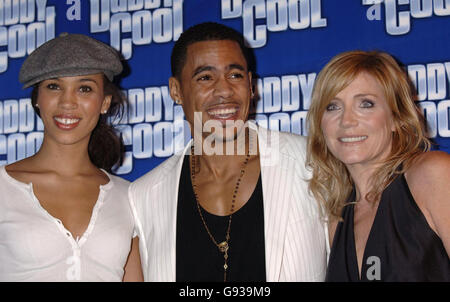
(79, 240)
(354, 255)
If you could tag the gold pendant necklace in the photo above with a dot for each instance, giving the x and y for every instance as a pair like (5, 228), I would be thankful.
(224, 245)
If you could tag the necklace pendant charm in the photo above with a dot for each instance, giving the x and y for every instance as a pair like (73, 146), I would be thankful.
(223, 246)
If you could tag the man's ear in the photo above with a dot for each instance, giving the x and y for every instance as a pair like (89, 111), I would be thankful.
(175, 90)
(106, 103)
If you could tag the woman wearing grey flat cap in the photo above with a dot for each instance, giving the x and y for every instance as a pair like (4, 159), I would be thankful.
(63, 216)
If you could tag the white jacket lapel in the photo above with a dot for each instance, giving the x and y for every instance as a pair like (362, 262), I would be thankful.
(276, 173)
(172, 203)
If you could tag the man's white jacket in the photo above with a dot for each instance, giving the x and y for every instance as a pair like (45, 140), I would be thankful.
(296, 238)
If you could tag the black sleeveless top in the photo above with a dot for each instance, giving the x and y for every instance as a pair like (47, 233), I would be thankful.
(401, 246)
(198, 258)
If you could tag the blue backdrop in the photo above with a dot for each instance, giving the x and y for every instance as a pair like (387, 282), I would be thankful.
(292, 40)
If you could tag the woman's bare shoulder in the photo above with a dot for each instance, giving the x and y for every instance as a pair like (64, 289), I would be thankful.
(430, 166)
(24, 170)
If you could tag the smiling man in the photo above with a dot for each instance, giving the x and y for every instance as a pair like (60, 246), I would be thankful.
(234, 204)
(214, 88)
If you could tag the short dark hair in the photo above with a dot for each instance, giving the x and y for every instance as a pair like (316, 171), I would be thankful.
(106, 147)
(208, 31)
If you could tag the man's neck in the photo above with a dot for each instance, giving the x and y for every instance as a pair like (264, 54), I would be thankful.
(228, 156)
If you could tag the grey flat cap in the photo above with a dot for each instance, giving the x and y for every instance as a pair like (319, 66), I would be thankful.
(69, 55)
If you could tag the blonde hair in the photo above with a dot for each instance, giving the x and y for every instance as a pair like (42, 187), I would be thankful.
(331, 183)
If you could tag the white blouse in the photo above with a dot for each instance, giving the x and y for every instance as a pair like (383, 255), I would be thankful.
(35, 246)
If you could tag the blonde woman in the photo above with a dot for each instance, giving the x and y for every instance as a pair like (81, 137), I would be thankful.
(386, 195)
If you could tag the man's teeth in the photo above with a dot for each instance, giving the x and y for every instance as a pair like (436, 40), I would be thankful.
(67, 121)
(352, 139)
(227, 111)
